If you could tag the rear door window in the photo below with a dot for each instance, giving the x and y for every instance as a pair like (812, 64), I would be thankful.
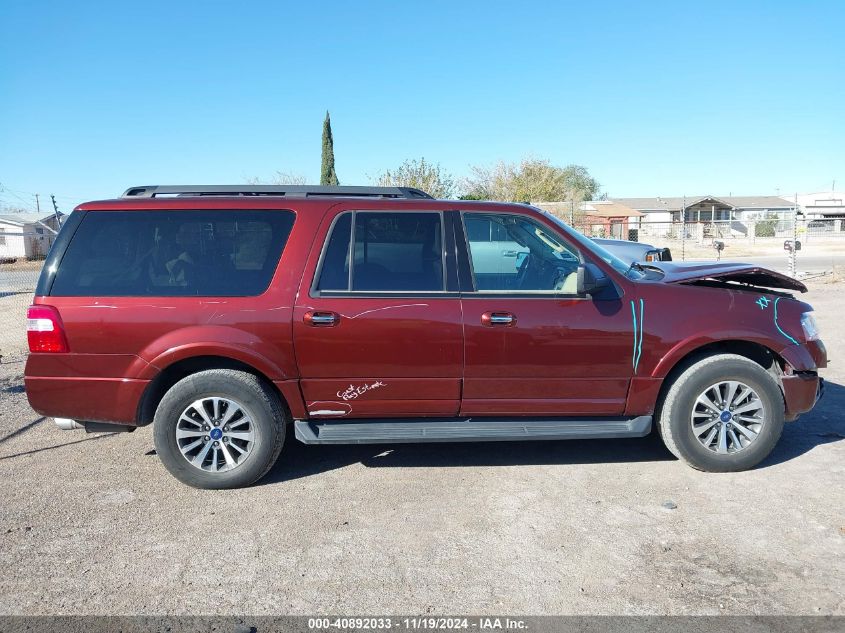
(173, 253)
(391, 252)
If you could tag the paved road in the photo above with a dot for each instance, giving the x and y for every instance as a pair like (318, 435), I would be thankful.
(804, 263)
(93, 524)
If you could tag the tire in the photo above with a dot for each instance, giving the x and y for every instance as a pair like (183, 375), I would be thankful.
(676, 415)
(256, 429)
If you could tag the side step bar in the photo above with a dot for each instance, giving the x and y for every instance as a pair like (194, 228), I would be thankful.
(387, 431)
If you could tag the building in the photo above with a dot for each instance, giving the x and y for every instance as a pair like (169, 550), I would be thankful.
(596, 218)
(709, 208)
(27, 235)
(709, 216)
(828, 205)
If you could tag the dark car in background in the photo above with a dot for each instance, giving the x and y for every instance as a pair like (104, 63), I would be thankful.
(634, 251)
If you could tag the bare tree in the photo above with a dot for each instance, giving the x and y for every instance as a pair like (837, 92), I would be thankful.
(531, 180)
(280, 178)
(429, 177)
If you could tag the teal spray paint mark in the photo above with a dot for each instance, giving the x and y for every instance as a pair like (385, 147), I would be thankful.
(638, 334)
(634, 353)
(778, 326)
(763, 302)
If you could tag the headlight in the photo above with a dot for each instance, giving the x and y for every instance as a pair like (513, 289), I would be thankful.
(808, 324)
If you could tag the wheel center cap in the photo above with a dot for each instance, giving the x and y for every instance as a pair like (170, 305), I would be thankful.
(216, 434)
(725, 416)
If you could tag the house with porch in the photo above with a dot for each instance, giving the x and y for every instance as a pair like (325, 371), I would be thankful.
(709, 208)
(730, 214)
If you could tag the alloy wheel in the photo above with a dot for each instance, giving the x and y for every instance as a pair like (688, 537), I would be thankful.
(215, 434)
(727, 417)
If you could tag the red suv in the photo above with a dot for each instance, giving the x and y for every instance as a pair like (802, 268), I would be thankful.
(222, 315)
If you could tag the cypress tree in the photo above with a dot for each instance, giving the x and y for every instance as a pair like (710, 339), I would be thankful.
(328, 176)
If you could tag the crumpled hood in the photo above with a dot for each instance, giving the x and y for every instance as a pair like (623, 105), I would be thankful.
(680, 272)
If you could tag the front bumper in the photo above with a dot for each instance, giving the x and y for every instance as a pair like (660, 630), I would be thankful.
(801, 392)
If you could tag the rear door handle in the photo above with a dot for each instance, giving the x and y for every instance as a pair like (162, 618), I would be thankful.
(498, 319)
(316, 318)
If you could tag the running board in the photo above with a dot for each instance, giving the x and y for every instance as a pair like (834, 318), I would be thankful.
(388, 431)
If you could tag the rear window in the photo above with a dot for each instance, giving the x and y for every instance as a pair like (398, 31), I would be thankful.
(173, 253)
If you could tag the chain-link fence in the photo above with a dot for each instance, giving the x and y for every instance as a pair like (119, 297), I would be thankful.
(750, 231)
(19, 271)
(696, 240)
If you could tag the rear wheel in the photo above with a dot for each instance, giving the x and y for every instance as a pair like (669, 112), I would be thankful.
(724, 413)
(219, 428)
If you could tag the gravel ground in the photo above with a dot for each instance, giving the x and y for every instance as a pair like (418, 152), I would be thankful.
(93, 524)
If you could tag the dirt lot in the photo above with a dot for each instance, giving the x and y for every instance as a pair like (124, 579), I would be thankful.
(93, 524)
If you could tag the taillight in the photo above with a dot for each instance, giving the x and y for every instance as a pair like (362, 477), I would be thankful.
(44, 330)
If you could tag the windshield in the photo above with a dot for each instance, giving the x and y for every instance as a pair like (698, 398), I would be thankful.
(609, 258)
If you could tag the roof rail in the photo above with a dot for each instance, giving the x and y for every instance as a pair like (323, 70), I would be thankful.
(289, 191)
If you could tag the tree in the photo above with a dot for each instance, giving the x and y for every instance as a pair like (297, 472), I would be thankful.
(532, 180)
(280, 178)
(766, 226)
(420, 174)
(578, 182)
(6, 208)
(328, 176)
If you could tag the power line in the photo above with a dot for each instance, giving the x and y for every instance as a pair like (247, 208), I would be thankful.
(26, 203)
(33, 193)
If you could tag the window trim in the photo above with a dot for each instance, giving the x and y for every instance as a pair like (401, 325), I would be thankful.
(526, 294)
(315, 292)
(318, 271)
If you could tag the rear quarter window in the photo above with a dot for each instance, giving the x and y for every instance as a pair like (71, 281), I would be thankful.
(173, 253)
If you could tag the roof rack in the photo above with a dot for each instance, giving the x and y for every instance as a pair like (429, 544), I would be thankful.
(289, 191)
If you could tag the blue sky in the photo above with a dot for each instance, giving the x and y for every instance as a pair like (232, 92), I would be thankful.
(654, 98)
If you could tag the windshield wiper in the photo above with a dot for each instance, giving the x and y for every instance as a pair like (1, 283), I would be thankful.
(644, 268)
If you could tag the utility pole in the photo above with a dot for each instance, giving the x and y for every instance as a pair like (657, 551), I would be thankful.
(56, 211)
(794, 250)
(683, 229)
(37, 203)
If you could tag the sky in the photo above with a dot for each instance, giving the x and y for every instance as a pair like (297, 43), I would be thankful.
(654, 98)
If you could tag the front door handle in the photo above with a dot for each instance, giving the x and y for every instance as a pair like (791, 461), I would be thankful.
(498, 319)
(316, 318)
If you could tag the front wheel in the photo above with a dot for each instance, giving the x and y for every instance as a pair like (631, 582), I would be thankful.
(219, 429)
(724, 413)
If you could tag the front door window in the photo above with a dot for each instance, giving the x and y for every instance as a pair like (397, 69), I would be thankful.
(512, 253)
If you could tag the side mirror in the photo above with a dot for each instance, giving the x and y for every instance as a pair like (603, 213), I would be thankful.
(591, 279)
